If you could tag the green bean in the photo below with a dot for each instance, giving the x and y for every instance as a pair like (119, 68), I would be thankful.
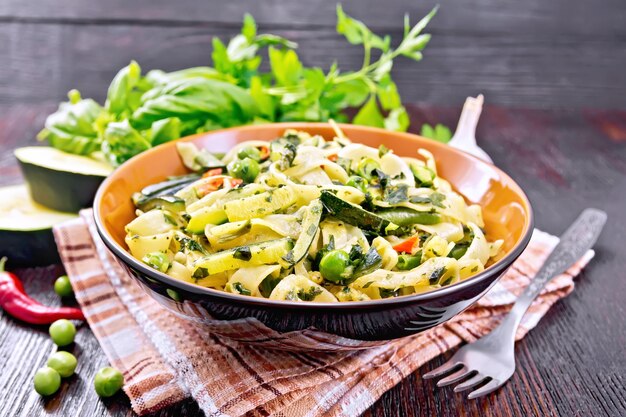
(406, 217)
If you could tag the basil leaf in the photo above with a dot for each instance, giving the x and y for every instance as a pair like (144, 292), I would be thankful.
(119, 94)
(122, 142)
(72, 127)
(165, 130)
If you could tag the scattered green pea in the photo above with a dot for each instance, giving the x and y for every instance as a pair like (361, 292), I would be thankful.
(246, 169)
(108, 381)
(63, 287)
(334, 264)
(62, 332)
(249, 152)
(63, 362)
(47, 381)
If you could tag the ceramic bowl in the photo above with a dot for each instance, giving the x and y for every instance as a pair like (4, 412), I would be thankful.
(327, 326)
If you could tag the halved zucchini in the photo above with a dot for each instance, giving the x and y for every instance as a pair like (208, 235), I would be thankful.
(60, 180)
(26, 228)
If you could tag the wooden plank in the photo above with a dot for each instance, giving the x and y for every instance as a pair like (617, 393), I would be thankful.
(487, 17)
(572, 364)
(44, 61)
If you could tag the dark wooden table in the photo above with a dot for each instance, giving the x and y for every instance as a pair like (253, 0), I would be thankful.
(572, 364)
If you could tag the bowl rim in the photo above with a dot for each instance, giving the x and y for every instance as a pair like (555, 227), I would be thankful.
(497, 268)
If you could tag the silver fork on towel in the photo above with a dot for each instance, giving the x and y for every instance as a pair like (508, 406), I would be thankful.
(491, 359)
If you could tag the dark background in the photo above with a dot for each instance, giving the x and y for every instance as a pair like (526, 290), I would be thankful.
(553, 73)
(523, 53)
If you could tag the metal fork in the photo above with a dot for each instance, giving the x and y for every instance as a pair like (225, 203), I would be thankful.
(492, 357)
(465, 135)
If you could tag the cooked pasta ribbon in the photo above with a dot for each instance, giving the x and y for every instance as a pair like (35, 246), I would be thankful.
(302, 218)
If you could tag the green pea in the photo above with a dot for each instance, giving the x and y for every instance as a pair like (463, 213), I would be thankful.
(246, 169)
(108, 381)
(63, 362)
(249, 152)
(357, 182)
(366, 167)
(62, 332)
(47, 381)
(334, 264)
(63, 287)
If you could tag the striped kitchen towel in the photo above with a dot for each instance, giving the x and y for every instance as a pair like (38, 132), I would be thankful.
(165, 359)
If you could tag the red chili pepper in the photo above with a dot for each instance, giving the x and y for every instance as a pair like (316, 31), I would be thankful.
(407, 245)
(16, 303)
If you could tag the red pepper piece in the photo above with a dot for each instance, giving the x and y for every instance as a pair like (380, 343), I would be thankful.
(15, 302)
(212, 172)
(406, 246)
(265, 152)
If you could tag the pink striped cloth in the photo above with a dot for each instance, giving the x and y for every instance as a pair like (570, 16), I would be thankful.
(165, 359)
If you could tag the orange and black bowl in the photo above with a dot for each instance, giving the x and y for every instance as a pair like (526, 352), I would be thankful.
(350, 325)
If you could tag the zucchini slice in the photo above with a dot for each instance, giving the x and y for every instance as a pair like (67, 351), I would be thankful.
(26, 228)
(355, 215)
(59, 180)
(310, 226)
(204, 216)
(262, 253)
(260, 205)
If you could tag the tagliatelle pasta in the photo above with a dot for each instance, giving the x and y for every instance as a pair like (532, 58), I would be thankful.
(305, 219)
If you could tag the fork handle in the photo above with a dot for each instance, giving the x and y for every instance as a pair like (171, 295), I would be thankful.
(574, 243)
(466, 129)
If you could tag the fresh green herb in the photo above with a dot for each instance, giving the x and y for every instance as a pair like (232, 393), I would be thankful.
(396, 194)
(436, 199)
(200, 273)
(243, 253)
(238, 286)
(144, 110)
(386, 293)
(310, 294)
(436, 275)
(440, 133)
(370, 262)
(382, 150)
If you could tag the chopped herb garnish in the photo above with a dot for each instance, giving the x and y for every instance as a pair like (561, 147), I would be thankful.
(382, 150)
(200, 273)
(396, 194)
(243, 253)
(238, 286)
(310, 294)
(386, 293)
(436, 275)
